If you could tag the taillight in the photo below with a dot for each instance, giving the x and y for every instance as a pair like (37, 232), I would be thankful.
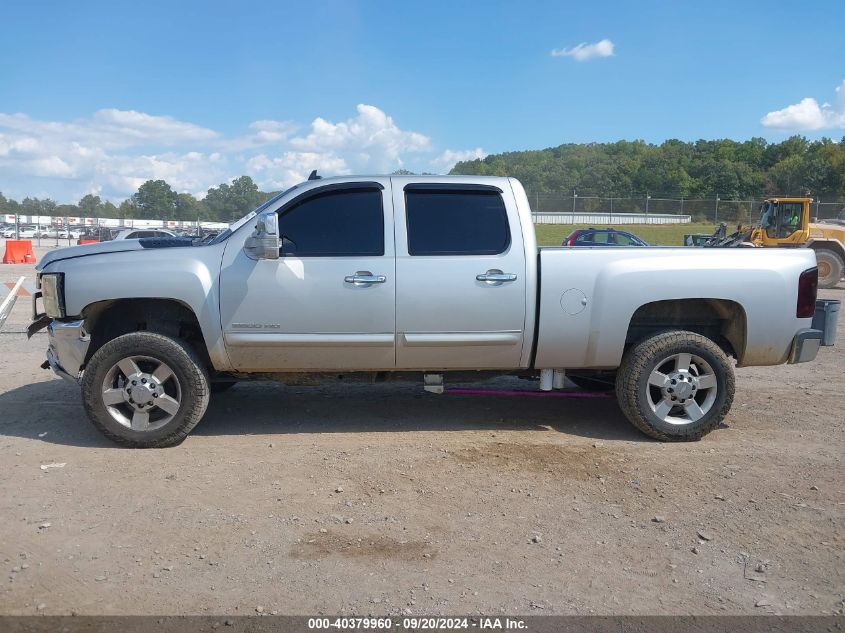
(808, 284)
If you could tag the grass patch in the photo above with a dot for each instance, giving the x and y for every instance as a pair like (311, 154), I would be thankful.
(657, 234)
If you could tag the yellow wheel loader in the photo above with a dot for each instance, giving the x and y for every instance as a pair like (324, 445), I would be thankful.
(785, 223)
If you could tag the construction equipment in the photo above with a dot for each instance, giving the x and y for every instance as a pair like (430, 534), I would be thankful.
(786, 223)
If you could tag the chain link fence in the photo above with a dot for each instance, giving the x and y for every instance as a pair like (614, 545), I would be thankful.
(67, 231)
(700, 210)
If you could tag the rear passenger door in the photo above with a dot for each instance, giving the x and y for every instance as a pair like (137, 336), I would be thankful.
(460, 271)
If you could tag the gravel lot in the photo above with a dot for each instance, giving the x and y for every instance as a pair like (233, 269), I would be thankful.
(388, 500)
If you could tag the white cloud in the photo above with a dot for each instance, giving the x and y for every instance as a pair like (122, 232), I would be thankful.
(264, 133)
(371, 138)
(292, 167)
(137, 127)
(584, 51)
(445, 161)
(113, 151)
(109, 128)
(807, 114)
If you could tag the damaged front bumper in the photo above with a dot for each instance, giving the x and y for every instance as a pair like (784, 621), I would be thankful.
(68, 346)
(805, 345)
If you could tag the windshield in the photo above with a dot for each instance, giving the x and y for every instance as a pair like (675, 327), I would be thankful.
(766, 213)
(234, 226)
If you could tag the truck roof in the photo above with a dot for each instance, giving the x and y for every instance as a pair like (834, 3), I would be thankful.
(420, 177)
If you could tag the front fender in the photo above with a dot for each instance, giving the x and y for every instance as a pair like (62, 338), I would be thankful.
(187, 275)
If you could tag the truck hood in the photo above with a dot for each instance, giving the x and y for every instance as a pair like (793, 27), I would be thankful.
(113, 246)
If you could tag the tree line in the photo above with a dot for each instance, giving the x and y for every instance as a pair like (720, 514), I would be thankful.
(154, 200)
(702, 169)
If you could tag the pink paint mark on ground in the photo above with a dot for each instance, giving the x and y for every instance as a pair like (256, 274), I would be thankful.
(530, 394)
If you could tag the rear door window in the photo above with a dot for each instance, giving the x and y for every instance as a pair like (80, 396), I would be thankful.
(619, 239)
(456, 222)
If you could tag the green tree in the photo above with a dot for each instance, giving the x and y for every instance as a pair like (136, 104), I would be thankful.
(34, 206)
(189, 208)
(128, 210)
(702, 169)
(787, 175)
(230, 201)
(155, 200)
(108, 210)
(90, 205)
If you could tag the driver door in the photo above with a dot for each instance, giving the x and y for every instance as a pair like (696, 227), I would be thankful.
(329, 301)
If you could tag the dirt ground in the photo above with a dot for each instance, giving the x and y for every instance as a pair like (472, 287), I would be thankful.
(386, 500)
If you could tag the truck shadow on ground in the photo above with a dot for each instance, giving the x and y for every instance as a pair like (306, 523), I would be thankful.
(54, 408)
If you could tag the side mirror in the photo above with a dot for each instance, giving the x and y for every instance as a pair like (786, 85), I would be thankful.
(264, 241)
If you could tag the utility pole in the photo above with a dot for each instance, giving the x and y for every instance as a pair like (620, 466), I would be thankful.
(717, 208)
(647, 198)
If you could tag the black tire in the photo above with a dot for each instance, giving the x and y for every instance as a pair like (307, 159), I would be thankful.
(633, 390)
(831, 268)
(599, 381)
(187, 369)
(219, 386)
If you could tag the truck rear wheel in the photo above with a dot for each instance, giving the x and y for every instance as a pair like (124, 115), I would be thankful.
(675, 386)
(831, 268)
(145, 390)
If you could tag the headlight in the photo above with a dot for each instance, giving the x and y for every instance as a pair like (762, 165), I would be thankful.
(53, 294)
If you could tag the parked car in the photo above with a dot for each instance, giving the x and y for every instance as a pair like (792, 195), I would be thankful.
(602, 237)
(24, 232)
(388, 277)
(134, 234)
(51, 232)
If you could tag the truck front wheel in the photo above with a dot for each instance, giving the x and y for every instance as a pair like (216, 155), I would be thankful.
(675, 386)
(830, 268)
(145, 390)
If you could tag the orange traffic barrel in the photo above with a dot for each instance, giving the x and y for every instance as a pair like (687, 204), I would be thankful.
(18, 252)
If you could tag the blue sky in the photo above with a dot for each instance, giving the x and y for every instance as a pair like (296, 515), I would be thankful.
(100, 96)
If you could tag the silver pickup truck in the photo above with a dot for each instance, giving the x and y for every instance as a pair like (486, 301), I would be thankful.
(426, 277)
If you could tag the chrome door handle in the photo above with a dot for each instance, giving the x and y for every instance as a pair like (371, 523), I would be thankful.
(364, 278)
(495, 277)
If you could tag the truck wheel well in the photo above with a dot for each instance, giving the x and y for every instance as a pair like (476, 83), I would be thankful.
(720, 320)
(106, 320)
(829, 245)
